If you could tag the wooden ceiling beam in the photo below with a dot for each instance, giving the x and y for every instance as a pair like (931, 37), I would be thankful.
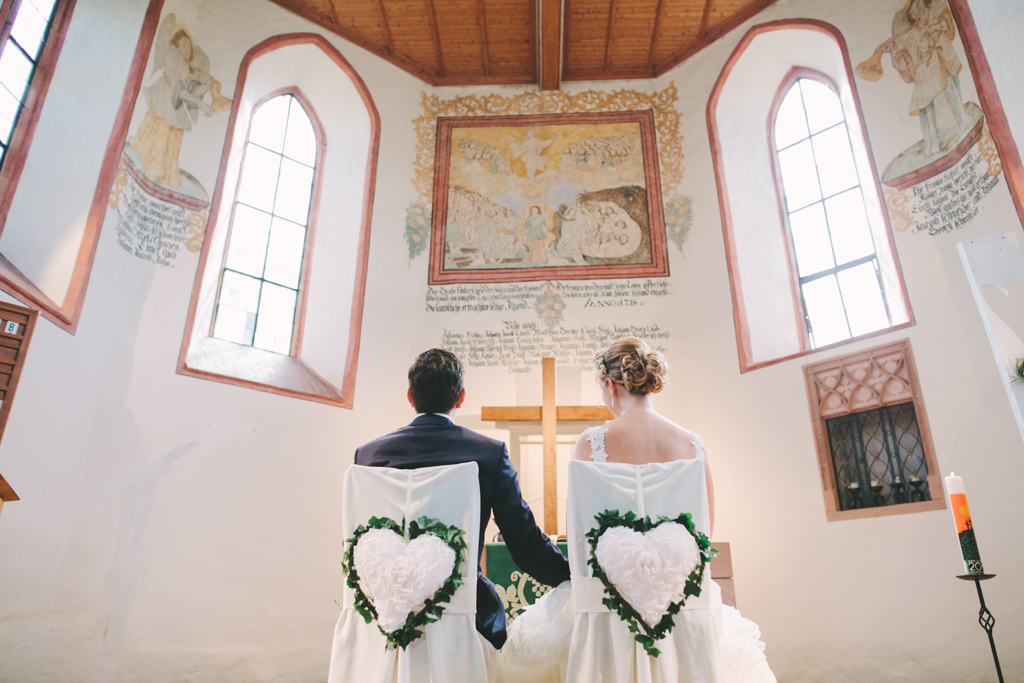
(437, 39)
(712, 35)
(654, 34)
(551, 44)
(334, 13)
(609, 36)
(481, 14)
(383, 15)
(362, 41)
(704, 19)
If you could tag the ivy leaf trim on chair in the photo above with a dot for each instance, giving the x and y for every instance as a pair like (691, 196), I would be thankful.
(434, 605)
(647, 634)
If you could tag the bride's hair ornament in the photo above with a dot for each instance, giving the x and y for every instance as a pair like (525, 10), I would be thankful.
(632, 363)
(599, 362)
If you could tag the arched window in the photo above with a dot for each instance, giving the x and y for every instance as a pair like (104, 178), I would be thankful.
(271, 310)
(840, 285)
(262, 275)
(811, 255)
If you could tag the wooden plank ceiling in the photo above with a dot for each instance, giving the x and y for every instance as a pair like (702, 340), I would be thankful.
(467, 42)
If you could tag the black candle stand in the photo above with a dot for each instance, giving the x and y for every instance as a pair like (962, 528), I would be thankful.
(985, 617)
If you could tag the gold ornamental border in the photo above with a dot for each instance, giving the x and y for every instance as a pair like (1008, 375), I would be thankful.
(663, 103)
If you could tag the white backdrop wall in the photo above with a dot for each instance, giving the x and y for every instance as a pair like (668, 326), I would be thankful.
(174, 528)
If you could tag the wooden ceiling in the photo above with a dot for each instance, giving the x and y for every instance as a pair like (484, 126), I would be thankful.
(506, 42)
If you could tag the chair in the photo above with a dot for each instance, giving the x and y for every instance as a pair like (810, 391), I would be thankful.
(602, 648)
(449, 650)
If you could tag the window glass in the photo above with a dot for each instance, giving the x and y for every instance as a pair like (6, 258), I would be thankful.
(29, 30)
(837, 267)
(259, 290)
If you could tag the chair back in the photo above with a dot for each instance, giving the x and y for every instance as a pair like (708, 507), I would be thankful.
(655, 489)
(449, 648)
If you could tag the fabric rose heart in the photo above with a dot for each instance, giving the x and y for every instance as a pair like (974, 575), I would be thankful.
(649, 570)
(397, 576)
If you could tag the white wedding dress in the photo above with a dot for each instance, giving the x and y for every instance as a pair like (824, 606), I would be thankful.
(568, 635)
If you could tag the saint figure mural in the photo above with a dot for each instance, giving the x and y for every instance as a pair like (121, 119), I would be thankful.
(174, 101)
(922, 52)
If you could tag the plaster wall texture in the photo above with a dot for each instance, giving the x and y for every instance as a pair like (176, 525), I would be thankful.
(174, 528)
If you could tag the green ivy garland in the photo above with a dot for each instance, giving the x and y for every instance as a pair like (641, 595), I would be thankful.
(434, 606)
(644, 633)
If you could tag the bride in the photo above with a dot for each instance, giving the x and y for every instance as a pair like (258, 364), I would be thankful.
(730, 651)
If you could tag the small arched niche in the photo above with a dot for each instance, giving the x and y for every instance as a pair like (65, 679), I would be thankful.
(771, 319)
(319, 363)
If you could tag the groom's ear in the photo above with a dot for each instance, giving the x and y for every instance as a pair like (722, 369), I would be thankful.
(462, 397)
(411, 402)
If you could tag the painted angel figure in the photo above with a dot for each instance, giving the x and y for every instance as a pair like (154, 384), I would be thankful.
(531, 151)
(921, 47)
(175, 101)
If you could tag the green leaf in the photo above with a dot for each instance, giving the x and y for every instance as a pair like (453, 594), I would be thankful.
(614, 601)
(433, 607)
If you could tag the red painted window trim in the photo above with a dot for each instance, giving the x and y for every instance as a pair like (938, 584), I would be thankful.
(362, 253)
(991, 105)
(739, 309)
(21, 140)
(314, 210)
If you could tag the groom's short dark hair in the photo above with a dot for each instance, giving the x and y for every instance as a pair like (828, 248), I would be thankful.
(435, 380)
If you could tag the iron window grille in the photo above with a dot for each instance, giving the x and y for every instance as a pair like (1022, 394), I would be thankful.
(878, 457)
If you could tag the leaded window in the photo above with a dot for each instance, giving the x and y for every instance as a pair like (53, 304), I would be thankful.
(840, 286)
(878, 457)
(262, 274)
(29, 22)
(875, 451)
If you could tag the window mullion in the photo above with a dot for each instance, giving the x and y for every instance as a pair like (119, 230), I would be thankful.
(817, 173)
(881, 289)
(270, 230)
(838, 269)
(860, 460)
(10, 9)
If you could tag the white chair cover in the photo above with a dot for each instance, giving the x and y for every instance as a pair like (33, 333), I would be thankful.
(602, 648)
(450, 651)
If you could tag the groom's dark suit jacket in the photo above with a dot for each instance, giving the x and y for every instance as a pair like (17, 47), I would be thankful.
(434, 440)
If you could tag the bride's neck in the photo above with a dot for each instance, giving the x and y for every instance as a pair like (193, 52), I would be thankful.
(631, 403)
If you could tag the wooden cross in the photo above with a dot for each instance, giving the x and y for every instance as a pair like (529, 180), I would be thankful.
(549, 415)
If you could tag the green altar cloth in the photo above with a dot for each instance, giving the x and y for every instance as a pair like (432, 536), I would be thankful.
(516, 588)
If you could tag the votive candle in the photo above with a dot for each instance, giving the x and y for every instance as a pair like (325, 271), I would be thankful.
(964, 527)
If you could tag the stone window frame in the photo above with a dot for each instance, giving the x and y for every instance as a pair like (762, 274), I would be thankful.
(871, 381)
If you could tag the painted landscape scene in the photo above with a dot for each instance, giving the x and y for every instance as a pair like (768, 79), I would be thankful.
(563, 196)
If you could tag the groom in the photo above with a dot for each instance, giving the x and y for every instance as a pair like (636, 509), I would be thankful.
(435, 391)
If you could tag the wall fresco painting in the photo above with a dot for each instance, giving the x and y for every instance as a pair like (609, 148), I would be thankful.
(562, 196)
(922, 52)
(174, 101)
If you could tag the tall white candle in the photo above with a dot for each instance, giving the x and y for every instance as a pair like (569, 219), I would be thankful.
(964, 526)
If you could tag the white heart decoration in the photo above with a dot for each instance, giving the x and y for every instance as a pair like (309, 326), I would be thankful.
(649, 570)
(396, 576)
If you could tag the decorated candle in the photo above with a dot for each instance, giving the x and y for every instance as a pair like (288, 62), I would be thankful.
(964, 527)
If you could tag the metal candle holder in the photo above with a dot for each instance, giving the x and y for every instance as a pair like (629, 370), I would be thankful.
(985, 617)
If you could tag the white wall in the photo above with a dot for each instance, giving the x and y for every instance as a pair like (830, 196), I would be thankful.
(173, 528)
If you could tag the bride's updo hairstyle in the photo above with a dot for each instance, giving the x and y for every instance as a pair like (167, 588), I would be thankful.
(635, 365)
